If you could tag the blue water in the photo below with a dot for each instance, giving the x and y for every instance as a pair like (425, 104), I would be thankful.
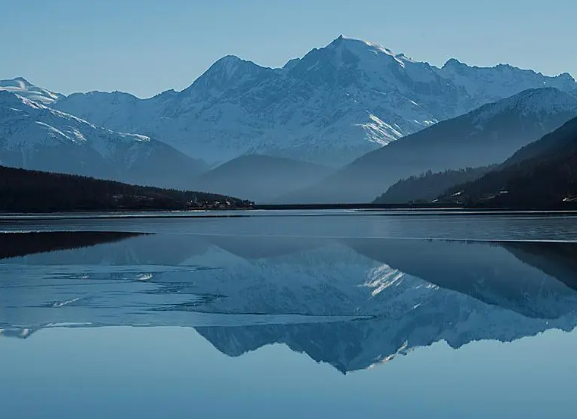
(289, 315)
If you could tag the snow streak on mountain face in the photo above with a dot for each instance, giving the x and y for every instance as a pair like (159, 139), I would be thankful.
(330, 106)
(27, 123)
(34, 136)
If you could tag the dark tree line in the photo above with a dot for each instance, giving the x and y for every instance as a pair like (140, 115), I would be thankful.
(542, 175)
(547, 183)
(428, 186)
(32, 191)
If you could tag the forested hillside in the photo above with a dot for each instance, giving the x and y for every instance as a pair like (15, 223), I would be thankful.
(31, 191)
(428, 186)
(543, 174)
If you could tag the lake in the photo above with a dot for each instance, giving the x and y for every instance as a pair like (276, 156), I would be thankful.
(288, 314)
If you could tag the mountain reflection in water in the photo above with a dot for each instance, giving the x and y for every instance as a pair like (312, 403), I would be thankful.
(352, 303)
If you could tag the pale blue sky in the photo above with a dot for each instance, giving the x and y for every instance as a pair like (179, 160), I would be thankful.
(148, 46)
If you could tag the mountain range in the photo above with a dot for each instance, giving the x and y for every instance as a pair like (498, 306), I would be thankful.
(343, 106)
(331, 106)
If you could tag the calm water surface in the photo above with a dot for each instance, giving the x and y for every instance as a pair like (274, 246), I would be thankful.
(338, 314)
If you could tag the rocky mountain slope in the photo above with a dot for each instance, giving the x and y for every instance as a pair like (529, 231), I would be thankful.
(485, 136)
(34, 136)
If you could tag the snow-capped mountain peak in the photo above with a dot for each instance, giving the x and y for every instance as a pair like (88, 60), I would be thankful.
(363, 48)
(24, 88)
(17, 83)
(226, 72)
(349, 61)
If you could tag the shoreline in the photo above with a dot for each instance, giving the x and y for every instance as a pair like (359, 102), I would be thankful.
(287, 211)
